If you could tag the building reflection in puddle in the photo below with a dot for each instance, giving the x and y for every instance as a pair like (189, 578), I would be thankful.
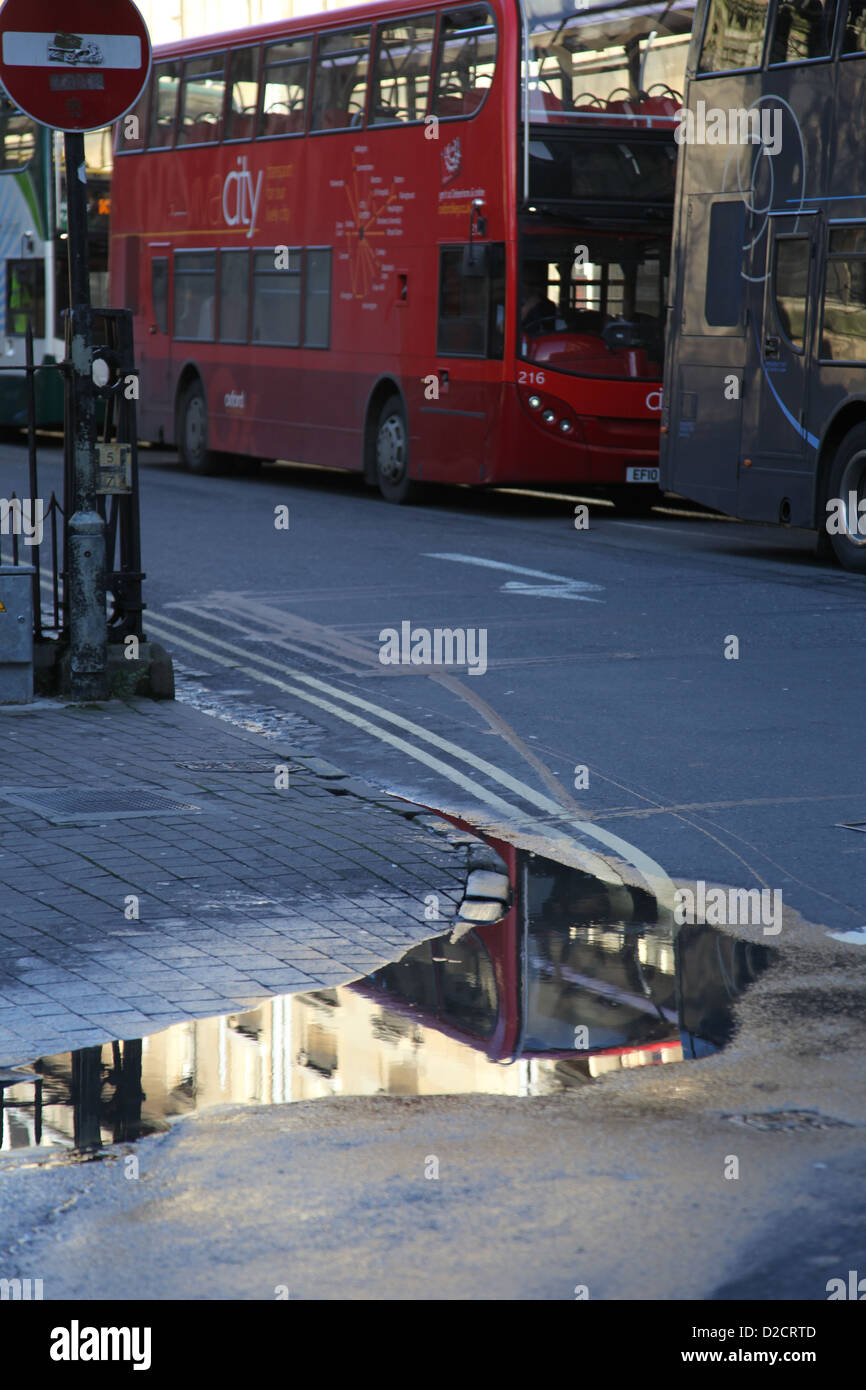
(578, 979)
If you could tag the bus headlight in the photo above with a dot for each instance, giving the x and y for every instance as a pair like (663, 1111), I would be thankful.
(548, 417)
(566, 426)
(534, 402)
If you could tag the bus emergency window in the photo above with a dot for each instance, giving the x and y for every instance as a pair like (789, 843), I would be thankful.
(201, 101)
(404, 55)
(724, 259)
(466, 61)
(194, 295)
(164, 106)
(25, 297)
(17, 136)
(317, 298)
(734, 35)
(803, 29)
(277, 297)
(854, 37)
(790, 284)
(159, 291)
(340, 89)
(243, 94)
(843, 329)
(234, 296)
(285, 84)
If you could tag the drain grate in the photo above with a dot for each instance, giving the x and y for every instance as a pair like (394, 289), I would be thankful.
(791, 1120)
(65, 804)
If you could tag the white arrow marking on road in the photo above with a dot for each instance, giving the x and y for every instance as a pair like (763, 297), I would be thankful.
(557, 586)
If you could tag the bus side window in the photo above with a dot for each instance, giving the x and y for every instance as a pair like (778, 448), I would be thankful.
(404, 53)
(285, 84)
(243, 96)
(201, 100)
(803, 29)
(234, 295)
(843, 321)
(734, 36)
(194, 295)
(131, 127)
(854, 38)
(317, 297)
(466, 61)
(159, 292)
(164, 106)
(340, 88)
(25, 297)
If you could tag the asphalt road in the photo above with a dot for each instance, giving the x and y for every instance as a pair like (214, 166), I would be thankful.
(605, 649)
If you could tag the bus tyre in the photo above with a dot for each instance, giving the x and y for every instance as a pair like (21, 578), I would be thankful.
(635, 499)
(192, 431)
(844, 521)
(392, 453)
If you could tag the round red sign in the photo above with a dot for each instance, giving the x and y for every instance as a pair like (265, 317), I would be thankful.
(73, 64)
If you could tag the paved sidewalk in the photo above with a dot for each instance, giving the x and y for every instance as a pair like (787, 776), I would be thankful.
(256, 891)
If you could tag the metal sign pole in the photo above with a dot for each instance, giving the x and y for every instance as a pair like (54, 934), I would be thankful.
(85, 555)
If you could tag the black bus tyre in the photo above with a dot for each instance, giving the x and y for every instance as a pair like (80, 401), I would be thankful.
(392, 453)
(635, 499)
(848, 475)
(192, 431)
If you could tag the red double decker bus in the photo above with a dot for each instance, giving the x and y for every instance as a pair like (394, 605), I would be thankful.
(429, 242)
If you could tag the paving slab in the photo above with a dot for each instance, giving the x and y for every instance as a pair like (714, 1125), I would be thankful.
(254, 891)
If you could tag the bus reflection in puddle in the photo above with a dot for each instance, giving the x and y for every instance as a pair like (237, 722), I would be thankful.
(578, 979)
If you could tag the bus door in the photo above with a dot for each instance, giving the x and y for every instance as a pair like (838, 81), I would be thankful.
(778, 446)
(155, 343)
(469, 332)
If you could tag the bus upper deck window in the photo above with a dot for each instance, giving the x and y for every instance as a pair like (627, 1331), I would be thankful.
(340, 89)
(404, 55)
(285, 87)
(164, 106)
(803, 29)
(17, 136)
(854, 37)
(201, 100)
(132, 126)
(243, 94)
(466, 61)
(734, 36)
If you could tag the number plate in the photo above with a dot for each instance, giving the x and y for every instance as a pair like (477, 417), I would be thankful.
(114, 468)
(642, 475)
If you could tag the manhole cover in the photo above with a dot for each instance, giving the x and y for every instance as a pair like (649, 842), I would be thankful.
(791, 1120)
(64, 804)
(265, 766)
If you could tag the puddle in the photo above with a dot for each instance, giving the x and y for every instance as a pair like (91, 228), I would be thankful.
(577, 980)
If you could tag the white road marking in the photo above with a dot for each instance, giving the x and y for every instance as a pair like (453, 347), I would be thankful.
(558, 585)
(650, 870)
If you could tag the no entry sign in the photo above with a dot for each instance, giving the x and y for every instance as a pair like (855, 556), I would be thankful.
(73, 64)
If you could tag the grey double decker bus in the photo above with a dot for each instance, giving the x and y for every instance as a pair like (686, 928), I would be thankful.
(764, 414)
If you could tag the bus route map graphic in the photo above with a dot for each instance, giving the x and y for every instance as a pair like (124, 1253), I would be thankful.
(374, 217)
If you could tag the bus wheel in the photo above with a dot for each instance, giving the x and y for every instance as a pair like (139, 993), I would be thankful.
(845, 521)
(635, 499)
(192, 431)
(392, 453)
